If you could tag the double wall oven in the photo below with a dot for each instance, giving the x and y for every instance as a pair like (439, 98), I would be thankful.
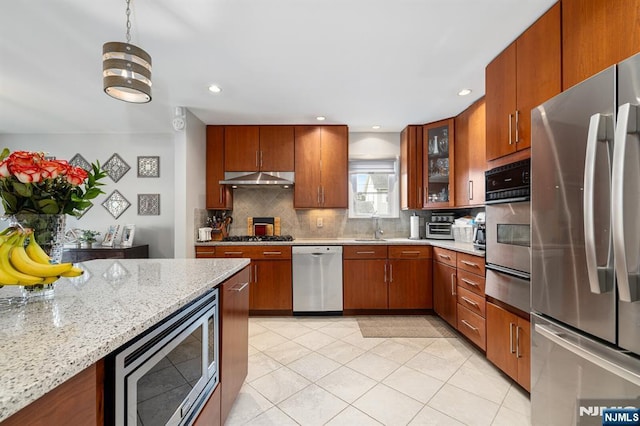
(508, 234)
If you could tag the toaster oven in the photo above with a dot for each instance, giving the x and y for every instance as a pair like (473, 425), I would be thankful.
(440, 230)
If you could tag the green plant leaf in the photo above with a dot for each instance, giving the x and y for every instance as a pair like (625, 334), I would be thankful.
(5, 153)
(23, 189)
(48, 206)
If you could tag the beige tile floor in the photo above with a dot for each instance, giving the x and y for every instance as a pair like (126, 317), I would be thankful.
(321, 371)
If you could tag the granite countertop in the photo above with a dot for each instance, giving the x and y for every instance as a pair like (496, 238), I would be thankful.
(45, 343)
(448, 244)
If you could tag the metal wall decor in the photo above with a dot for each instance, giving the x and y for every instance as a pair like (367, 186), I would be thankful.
(116, 167)
(149, 204)
(116, 204)
(149, 167)
(79, 161)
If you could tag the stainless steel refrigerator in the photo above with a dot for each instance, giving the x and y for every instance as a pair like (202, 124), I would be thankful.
(585, 247)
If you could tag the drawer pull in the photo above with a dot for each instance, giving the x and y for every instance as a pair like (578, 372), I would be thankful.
(242, 287)
(416, 252)
(471, 283)
(469, 325)
(472, 264)
(469, 301)
(444, 256)
(272, 253)
(365, 252)
(231, 253)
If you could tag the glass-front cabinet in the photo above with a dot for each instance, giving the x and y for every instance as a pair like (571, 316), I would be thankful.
(438, 164)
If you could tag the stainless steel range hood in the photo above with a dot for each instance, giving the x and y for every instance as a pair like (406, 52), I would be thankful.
(251, 179)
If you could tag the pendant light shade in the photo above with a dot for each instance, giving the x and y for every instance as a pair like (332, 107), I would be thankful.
(126, 72)
(126, 69)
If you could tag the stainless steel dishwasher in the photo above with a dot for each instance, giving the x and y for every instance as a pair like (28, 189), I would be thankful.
(317, 279)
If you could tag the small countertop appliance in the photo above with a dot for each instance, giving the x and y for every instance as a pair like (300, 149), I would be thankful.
(480, 232)
(441, 226)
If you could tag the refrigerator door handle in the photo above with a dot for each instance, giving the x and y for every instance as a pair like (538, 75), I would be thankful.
(600, 131)
(584, 353)
(624, 254)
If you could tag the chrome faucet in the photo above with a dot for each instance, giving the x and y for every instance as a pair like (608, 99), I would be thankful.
(377, 233)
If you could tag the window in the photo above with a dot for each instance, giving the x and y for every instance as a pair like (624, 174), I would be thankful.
(373, 188)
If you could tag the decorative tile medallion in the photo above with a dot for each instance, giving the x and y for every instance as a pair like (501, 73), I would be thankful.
(149, 204)
(116, 204)
(79, 161)
(116, 167)
(149, 167)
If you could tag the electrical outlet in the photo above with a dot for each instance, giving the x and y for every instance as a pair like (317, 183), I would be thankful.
(319, 222)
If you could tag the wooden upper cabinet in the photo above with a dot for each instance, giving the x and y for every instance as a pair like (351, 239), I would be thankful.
(219, 197)
(242, 148)
(470, 155)
(276, 148)
(258, 148)
(438, 165)
(321, 166)
(595, 35)
(411, 191)
(523, 76)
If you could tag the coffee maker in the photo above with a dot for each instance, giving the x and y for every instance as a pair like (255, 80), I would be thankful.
(480, 232)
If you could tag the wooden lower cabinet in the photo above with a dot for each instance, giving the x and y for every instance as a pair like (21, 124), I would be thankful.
(444, 292)
(271, 287)
(387, 277)
(210, 414)
(509, 344)
(234, 338)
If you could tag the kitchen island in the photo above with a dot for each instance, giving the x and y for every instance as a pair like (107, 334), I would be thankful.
(47, 342)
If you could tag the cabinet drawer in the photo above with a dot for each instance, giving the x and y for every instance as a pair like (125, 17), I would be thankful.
(471, 263)
(472, 301)
(471, 282)
(254, 252)
(445, 256)
(473, 326)
(410, 252)
(205, 251)
(364, 252)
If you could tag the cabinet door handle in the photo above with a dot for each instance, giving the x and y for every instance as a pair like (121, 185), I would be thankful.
(471, 302)
(511, 338)
(472, 264)
(453, 284)
(255, 275)
(385, 272)
(470, 190)
(318, 196)
(518, 354)
(390, 273)
(424, 203)
(471, 283)
(365, 252)
(272, 253)
(510, 129)
(469, 325)
(444, 256)
(323, 195)
(221, 192)
(411, 252)
(239, 287)
(261, 159)
(517, 124)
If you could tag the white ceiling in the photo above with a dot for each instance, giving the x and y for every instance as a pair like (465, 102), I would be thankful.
(357, 62)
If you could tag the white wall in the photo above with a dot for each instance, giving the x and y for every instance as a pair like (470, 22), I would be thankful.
(190, 183)
(372, 145)
(157, 231)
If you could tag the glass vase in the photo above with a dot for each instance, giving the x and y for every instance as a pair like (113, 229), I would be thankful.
(48, 230)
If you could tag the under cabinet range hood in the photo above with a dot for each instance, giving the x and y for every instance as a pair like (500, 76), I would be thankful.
(251, 179)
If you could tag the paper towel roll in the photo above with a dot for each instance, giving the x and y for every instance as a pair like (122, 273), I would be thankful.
(415, 227)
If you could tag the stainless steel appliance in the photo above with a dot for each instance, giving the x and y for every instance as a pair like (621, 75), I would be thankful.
(585, 249)
(317, 279)
(167, 375)
(441, 226)
(508, 234)
(480, 231)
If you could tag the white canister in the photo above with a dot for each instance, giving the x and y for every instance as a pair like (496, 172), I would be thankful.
(415, 227)
(204, 234)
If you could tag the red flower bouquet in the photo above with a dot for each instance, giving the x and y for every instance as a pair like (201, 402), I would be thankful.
(30, 183)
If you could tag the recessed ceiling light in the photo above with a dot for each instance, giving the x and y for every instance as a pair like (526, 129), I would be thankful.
(320, 118)
(464, 92)
(215, 89)
(376, 127)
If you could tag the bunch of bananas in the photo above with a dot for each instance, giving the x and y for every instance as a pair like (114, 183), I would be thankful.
(29, 265)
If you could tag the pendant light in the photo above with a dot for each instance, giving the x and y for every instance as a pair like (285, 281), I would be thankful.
(126, 69)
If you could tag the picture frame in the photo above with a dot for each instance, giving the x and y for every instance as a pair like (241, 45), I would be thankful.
(128, 231)
(110, 236)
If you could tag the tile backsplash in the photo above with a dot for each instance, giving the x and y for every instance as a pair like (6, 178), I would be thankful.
(267, 202)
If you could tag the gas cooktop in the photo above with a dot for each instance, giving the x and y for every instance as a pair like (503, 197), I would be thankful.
(257, 238)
